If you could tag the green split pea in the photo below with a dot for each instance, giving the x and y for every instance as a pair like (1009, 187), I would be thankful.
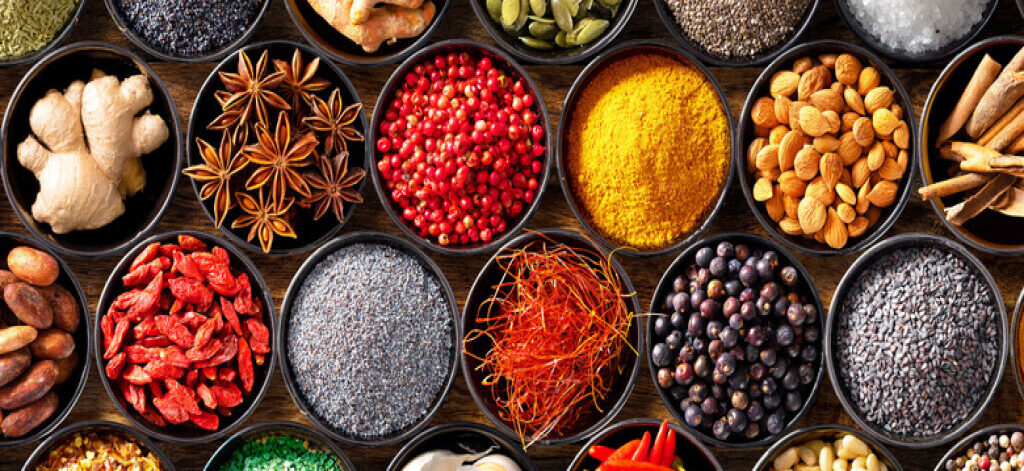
(280, 453)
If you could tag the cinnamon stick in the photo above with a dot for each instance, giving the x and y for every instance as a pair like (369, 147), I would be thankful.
(1002, 124)
(946, 152)
(975, 157)
(952, 186)
(983, 77)
(1000, 96)
(977, 203)
(1017, 146)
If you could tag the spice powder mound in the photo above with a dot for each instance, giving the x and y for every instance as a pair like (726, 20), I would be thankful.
(648, 150)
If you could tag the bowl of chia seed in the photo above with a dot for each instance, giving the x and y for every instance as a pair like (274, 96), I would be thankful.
(368, 339)
(190, 31)
(277, 445)
(916, 340)
(463, 438)
(821, 436)
(994, 448)
(41, 27)
(689, 449)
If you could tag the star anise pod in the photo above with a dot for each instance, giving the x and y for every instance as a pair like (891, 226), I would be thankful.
(335, 120)
(332, 188)
(279, 155)
(218, 166)
(263, 218)
(251, 91)
(300, 81)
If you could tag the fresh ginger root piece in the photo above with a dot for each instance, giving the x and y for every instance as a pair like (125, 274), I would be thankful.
(80, 183)
(361, 9)
(386, 23)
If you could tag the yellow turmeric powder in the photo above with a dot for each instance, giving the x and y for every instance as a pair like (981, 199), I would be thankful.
(648, 150)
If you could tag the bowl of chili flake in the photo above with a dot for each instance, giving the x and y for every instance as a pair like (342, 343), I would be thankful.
(183, 340)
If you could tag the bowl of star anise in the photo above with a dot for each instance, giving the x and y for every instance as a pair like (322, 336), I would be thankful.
(276, 148)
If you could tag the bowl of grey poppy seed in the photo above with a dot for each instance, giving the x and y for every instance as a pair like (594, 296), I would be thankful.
(916, 340)
(188, 31)
(367, 339)
(726, 33)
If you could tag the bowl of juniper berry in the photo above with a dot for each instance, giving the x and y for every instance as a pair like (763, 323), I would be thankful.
(668, 319)
(315, 440)
(145, 444)
(290, 300)
(983, 437)
(460, 438)
(57, 39)
(694, 454)
(142, 210)
(853, 275)
(827, 433)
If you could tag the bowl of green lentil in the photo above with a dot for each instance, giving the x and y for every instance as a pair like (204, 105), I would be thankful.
(278, 445)
(724, 33)
(403, 324)
(462, 438)
(123, 432)
(994, 448)
(32, 30)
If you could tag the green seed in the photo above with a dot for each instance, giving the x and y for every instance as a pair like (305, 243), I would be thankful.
(560, 39)
(540, 19)
(541, 30)
(589, 30)
(573, 6)
(535, 43)
(509, 13)
(494, 8)
(539, 7)
(562, 15)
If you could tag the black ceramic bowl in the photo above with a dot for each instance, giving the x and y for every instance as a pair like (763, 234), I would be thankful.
(58, 38)
(967, 442)
(339, 48)
(990, 231)
(1020, 6)
(746, 135)
(286, 312)
(617, 52)
(71, 390)
(669, 19)
(555, 56)
(122, 24)
(1016, 355)
(461, 437)
(145, 444)
(688, 448)
(310, 233)
(188, 434)
(826, 433)
(678, 267)
(483, 288)
(142, 211)
(903, 56)
(316, 441)
(910, 240)
(395, 82)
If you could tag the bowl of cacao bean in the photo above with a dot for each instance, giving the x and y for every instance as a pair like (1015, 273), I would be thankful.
(184, 337)
(96, 443)
(824, 444)
(735, 344)
(44, 341)
(617, 443)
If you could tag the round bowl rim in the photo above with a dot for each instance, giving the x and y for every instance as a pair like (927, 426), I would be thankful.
(132, 432)
(286, 424)
(874, 445)
(677, 428)
(1016, 356)
(964, 442)
(34, 57)
(473, 427)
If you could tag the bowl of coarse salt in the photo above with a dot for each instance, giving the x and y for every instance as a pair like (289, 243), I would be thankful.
(916, 31)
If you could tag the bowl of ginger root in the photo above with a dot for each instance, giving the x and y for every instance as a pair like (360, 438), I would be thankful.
(91, 151)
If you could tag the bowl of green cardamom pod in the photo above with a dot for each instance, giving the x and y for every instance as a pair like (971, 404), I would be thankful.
(42, 26)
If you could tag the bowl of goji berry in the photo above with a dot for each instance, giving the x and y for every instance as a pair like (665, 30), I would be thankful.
(183, 338)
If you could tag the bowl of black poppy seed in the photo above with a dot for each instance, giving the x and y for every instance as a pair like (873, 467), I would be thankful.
(368, 339)
(994, 448)
(725, 33)
(189, 31)
(916, 340)
(735, 340)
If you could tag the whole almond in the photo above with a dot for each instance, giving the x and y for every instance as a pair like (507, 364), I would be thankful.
(763, 113)
(863, 132)
(819, 236)
(846, 193)
(838, 88)
(806, 163)
(897, 110)
(876, 156)
(790, 205)
(830, 166)
(790, 226)
(826, 143)
(869, 79)
(845, 177)
(828, 60)
(858, 227)
(903, 159)
(768, 157)
(782, 109)
(791, 185)
(802, 65)
(883, 194)
(860, 172)
(878, 98)
(784, 83)
(863, 203)
(835, 230)
(811, 81)
(873, 214)
(827, 99)
(755, 147)
(794, 113)
(833, 120)
(884, 122)
(891, 151)
(811, 214)
(854, 101)
(775, 137)
(791, 143)
(848, 69)
(848, 118)
(846, 212)
(773, 206)
(761, 131)
(818, 190)
(812, 122)
(901, 136)
(848, 149)
(762, 189)
(771, 174)
(890, 170)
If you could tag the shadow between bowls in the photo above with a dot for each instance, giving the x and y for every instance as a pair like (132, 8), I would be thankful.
(980, 435)
(451, 436)
(615, 53)
(187, 434)
(142, 210)
(668, 18)
(827, 432)
(206, 108)
(689, 449)
(58, 38)
(901, 241)
(990, 231)
(745, 135)
(281, 336)
(216, 54)
(71, 390)
(483, 288)
(556, 56)
(337, 47)
(145, 444)
(664, 287)
(902, 56)
(395, 81)
(317, 442)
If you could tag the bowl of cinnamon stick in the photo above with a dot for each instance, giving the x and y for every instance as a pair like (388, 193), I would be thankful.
(972, 146)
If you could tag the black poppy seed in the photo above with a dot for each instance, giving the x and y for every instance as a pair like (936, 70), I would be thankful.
(738, 29)
(370, 340)
(189, 28)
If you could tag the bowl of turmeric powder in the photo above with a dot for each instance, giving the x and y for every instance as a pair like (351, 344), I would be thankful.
(641, 177)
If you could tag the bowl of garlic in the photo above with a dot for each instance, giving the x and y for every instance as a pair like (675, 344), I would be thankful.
(91, 151)
(461, 446)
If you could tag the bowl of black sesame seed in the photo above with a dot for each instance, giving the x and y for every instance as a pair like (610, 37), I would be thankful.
(916, 340)
(190, 31)
(995, 448)
(462, 438)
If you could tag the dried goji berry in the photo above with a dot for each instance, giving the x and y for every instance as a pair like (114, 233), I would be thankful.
(192, 378)
(227, 394)
(206, 352)
(185, 396)
(166, 301)
(155, 341)
(143, 273)
(107, 327)
(256, 310)
(186, 267)
(209, 373)
(222, 254)
(245, 368)
(174, 330)
(170, 409)
(204, 394)
(117, 339)
(167, 250)
(259, 336)
(226, 374)
(221, 281)
(175, 356)
(177, 307)
(226, 353)
(146, 302)
(135, 374)
(205, 333)
(155, 389)
(152, 417)
(115, 365)
(190, 243)
(140, 354)
(206, 420)
(147, 254)
(258, 359)
(223, 411)
(243, 300)
(158, 370)
(142, 328)
(193, 320)
(134, 395)
(126, 300)
(205, 260)
(190, 291)
(229, 314)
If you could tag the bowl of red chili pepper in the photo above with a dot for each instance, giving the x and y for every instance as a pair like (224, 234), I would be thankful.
(644, 445)
(184, 335)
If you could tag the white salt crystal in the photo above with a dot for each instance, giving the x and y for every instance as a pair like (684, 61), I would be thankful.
(917, 26)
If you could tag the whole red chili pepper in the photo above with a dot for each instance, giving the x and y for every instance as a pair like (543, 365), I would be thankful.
(600, 453)
(668, 454)
(624, 452)
(641, 451)
(626, 465)
(659, 444)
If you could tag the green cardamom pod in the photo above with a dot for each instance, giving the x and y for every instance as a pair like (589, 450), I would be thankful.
(535, 43)
(509, 13)
(562, 15)
(494, 9)
(590, 30)
(539, 7)
(545, 31)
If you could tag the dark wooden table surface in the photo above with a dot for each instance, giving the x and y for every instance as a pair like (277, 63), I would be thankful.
(185, 212)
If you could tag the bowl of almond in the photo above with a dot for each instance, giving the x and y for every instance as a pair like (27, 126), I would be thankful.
(828, 134)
